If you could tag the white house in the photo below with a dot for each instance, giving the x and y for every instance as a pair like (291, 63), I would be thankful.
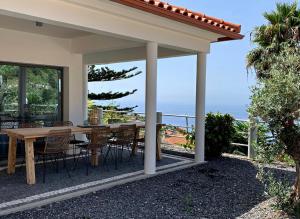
(72, 34)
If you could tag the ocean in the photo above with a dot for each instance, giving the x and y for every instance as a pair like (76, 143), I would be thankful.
(237, 111)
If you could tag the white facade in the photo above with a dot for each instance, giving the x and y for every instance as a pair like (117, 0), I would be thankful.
(76, 33)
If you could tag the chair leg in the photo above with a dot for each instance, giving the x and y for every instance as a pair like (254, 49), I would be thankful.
(64, 156)
(75, 159)
(106, 154)
(129, 148)
(121, 158)
(44, 169)
(87, 161)
(116, 156)
(56, 163)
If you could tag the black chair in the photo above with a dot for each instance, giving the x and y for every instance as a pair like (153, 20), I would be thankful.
(98, 140)
(4, 139)
(73, 141)
(56, 147)
(124, 138)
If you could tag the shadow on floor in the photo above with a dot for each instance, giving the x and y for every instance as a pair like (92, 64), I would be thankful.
(14, 186)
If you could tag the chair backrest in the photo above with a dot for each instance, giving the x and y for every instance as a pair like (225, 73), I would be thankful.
(62, 123)
(126, 133)
(8, 124)
(100, 135)
(113, 121)
(58, 140)
(140, 133)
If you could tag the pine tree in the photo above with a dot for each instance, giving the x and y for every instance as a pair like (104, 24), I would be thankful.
(105, 74)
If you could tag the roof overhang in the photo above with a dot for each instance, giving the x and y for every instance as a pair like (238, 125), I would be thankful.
(229, 30)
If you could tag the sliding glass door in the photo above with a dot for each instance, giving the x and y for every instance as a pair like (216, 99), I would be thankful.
(43, 93)
(9, 90)
(30, 92)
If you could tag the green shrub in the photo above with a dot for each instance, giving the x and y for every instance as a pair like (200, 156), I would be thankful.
(278, 189)
(219, 131)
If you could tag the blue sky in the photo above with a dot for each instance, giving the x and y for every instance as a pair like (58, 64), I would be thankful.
(227, 80)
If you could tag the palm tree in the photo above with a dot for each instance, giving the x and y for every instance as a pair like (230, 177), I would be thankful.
(283, 27)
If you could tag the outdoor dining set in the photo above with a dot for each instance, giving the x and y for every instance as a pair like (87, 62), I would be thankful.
(60, 142)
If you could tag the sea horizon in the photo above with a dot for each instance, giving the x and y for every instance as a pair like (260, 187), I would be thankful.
(237, 111)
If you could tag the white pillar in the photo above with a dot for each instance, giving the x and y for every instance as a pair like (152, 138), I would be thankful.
(252, 138)
(200, 108)
(85, 92)
(151, 87)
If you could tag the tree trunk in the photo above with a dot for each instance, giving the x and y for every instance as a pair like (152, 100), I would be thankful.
(296, 188)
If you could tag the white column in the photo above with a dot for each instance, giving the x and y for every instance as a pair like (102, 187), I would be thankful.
(85, 92)
(252, 138)
(200, 108)
(151, 91)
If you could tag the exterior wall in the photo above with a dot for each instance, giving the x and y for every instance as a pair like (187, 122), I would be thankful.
(105, 17)
(21, 47)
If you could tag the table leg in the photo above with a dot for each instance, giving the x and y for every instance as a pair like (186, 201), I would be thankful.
(134, 147)
(158, 148)
(12, 153)
(158, 143)
(30, 163)
(94, 158)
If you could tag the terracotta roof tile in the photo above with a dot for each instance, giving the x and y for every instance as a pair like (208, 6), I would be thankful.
(229, 30)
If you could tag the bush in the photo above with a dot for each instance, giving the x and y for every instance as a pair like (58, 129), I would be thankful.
(278, 189)
(219, 131)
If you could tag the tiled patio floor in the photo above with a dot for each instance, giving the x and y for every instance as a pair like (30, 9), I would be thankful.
(14, 189)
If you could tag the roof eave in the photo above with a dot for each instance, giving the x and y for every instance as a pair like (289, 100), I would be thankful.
(228, 35)
(223, 39)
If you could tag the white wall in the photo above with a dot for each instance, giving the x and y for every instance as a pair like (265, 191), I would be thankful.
(106, 17)
(21, 47)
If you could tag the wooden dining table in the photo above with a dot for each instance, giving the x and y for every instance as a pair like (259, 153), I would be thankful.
(30, 135)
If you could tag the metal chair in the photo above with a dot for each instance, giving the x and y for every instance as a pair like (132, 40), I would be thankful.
(140, 140)
(73, 140)
(8, 124)
(56, 147)
(98, 140)
(123, 138)
(4, 139)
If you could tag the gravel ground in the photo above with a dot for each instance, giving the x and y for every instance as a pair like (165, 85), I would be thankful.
(224, 188)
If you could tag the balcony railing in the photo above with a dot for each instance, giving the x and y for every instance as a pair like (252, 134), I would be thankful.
(188, 125)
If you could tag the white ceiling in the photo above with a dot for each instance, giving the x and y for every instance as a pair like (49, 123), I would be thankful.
(47, 29)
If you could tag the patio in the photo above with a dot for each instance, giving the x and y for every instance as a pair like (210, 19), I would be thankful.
(16, 193)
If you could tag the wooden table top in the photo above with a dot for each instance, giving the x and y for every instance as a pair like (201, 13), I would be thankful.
(29, 133)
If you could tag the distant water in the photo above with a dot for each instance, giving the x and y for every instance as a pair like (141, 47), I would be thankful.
(238, 112)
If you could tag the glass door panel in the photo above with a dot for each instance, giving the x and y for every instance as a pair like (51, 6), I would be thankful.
(43, 93)
(9, 91)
